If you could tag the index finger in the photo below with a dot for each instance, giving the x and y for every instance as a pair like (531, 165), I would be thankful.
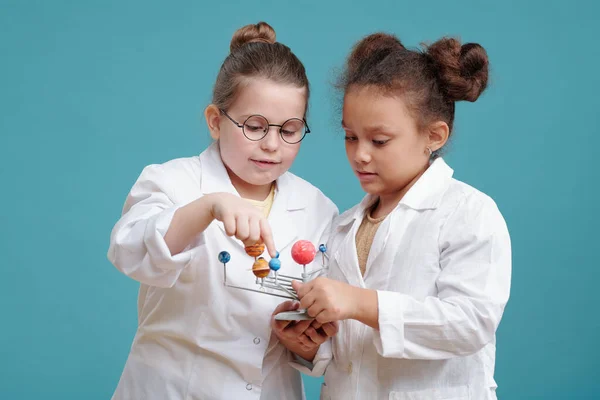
(267, 237)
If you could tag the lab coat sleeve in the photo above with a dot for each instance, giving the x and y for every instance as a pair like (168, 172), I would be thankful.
(137, 245)
(473, 288)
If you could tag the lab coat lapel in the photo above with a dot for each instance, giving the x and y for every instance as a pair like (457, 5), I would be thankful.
(347, 259)
(346, 256)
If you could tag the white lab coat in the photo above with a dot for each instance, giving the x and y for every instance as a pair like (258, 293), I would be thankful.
(196, 338)
(441, 265)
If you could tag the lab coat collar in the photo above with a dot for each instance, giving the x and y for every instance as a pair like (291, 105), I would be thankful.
(428, 191)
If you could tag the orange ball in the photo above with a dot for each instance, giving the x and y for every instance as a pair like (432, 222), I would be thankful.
(255, 250)
(261, 268)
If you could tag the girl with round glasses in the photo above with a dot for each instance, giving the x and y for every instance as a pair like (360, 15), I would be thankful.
(197, 339)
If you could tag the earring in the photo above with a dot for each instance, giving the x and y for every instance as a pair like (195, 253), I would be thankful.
(429, 151)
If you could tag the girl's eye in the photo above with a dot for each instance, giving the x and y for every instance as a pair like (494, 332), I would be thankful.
(379, 142)
(349, 138)
(254, 128)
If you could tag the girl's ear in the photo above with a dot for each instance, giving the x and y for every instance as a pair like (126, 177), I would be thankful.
(437, 135)
(213, 119)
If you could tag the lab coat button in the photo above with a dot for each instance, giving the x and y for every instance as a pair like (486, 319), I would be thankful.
(248, 387)
(256, 340)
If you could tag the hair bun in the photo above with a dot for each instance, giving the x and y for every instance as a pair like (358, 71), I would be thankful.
(462, 70)
(261, 32)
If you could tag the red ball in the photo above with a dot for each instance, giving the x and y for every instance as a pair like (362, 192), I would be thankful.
(303, 252)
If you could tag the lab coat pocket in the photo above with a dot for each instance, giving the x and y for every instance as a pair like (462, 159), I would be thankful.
(449, 393)
(324, 392)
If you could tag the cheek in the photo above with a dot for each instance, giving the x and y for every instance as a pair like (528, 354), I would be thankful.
(349, 152)
(233, 147)
(290, 153)
(394, 162)
(233, 138)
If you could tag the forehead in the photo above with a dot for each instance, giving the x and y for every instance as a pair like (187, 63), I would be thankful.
(371, 102)
(368, 108)
(275, 101)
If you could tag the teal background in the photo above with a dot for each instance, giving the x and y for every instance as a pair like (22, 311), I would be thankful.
(92, 91)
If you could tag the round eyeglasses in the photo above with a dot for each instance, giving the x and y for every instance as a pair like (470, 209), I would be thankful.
(256, 127)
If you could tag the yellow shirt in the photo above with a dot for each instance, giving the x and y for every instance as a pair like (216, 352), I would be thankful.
(266, 204)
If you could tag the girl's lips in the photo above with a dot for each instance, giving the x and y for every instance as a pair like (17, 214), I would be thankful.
(366, 176)
(264, 163)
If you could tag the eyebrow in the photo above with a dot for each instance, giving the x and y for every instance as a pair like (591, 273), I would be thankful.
(244, 117)
(374, 129)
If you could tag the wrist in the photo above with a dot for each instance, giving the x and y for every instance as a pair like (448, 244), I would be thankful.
(356, 308)
(205, 205)
(199, 214)
(366, 307)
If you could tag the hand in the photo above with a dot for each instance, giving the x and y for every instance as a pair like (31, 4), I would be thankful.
(301, 337)
(242, 220)
(328, 300)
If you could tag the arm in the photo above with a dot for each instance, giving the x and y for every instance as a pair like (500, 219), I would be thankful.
(151, 243)
(137, 245)
(473, 288)
(188, 221)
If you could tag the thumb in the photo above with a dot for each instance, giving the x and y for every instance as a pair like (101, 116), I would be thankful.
(299, 288)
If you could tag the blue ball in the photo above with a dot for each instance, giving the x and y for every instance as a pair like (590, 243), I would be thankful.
(322, 248)
(275, 264)
(277, 254)
(224, 257)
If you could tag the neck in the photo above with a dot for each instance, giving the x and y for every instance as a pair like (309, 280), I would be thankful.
(247, 190)
(388, 201)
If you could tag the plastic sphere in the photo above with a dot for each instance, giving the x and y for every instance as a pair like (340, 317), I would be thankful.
(255, 250)
(322, 248)
(224, 257)
(275, 264)
(303, 252)
(260, 268)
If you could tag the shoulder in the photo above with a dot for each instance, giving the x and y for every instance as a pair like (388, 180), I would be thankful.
(463, 195)
(187, 168)
(466, 207)
(170, 177)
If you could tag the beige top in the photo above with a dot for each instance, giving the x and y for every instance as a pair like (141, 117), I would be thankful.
(364, 237)
(266, 204)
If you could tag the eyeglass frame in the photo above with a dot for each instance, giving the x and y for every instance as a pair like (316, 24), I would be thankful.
(306, 128)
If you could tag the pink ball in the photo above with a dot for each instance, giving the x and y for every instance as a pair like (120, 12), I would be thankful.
(303, 252)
